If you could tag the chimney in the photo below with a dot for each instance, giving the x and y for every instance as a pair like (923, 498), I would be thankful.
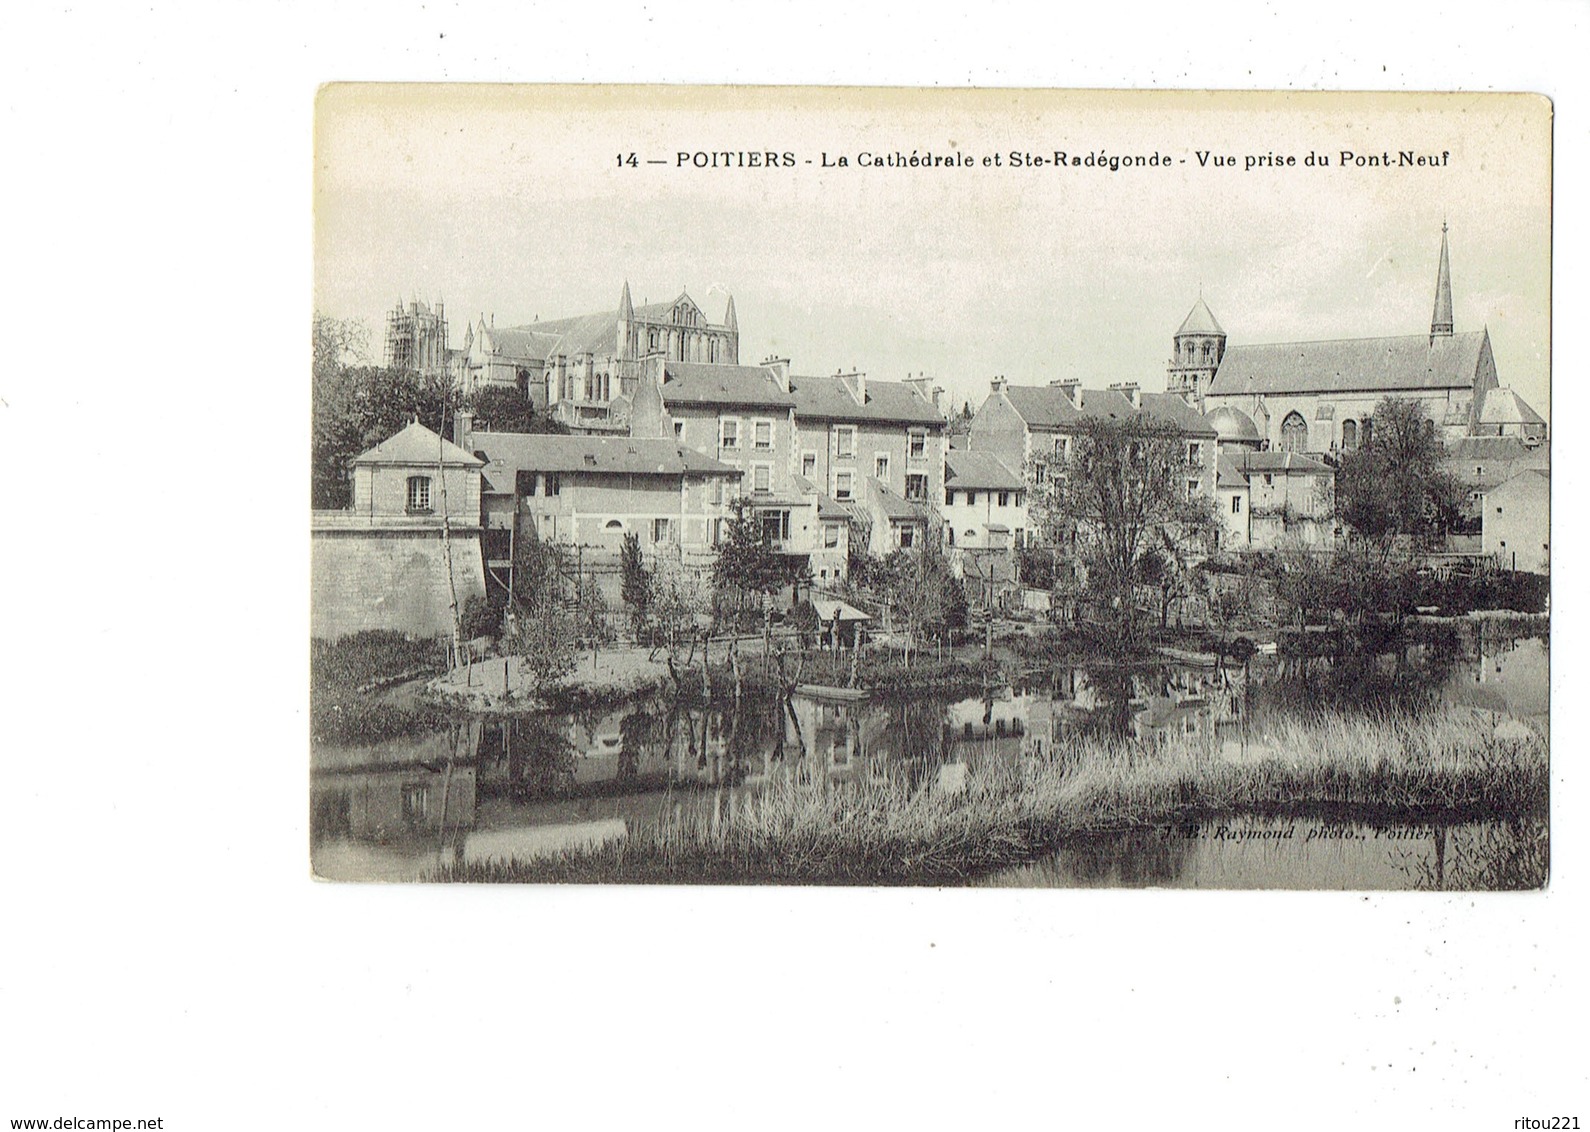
(463, 431)
(780, 368)
(938, 393)
(855, 383)
(997, 383)
(923, 386)
(1130, 391)
(1071, 387)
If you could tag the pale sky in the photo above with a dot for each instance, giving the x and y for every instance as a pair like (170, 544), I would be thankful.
(511, 202)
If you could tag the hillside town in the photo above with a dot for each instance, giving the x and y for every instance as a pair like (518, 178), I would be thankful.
(653, 432)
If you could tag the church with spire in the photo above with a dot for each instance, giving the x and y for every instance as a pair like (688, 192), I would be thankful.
(585, 369)
(1318, 397)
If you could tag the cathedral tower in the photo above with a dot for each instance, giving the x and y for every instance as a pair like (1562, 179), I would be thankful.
(1199, 345)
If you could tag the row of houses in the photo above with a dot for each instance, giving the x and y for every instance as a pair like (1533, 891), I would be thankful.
(668, 431)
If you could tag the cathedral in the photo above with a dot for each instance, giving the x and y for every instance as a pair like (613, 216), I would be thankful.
(581, 369)
(1318, 397)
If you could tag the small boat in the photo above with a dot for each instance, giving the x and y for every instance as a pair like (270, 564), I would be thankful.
(832, 692)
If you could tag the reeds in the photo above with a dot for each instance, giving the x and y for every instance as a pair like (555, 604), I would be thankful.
(1378, 766)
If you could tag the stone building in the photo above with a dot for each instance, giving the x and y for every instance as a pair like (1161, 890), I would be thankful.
(1018, 424)
(1516, 526)
(582, 368)
(1317, 397)
(384, 563)
(416, 338)
(874, 448)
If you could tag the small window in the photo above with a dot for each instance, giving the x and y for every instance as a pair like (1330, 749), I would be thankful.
(950, 534)
(679, 430)
(416, 796)
(971, 497)
(660, 530)
(907, 537)
(762, 436)
(614, 525)
(808, 464)
(762, 478)
(949, 497)
(419, 493)
(918, 443)
(845, 442)
(1004, 499)
(1195, 453)
(715, 493)
(729, 434)
(552, 484)
(1269, 480)
(1192, 488)
(916, 487)
(830, 535)
(881, 468)
(1236, 504)
(842, 485)
(1039, 473)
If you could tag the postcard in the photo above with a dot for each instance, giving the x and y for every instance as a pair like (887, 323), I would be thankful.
(733, 485)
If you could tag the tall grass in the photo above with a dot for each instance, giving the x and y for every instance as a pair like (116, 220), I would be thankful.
(883, 832)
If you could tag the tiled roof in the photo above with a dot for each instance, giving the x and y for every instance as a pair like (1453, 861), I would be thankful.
(982, 470)
(1273, 461)
(1047, 406)
(1228, 475)
(1503, 406)
(896, 508)
(1494, 448)
(416, 444)
(704, 383)
(1200, 320)
(1409, 361)
(510, 452)
(826, 398)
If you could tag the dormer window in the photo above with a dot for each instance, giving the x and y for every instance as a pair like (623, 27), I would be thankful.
(419, 495)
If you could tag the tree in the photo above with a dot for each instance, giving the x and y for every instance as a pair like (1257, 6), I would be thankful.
(637, 591)
(747, 565)
(591, 611)
(1395, 485)
(680, 602)
(924, 592)
(500, 408)
(356, 406)
(543, 629)
(1122, 502)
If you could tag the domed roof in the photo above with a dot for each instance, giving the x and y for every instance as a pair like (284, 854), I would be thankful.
(1232, 425)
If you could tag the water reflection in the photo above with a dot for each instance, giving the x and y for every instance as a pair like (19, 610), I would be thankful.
(499, 787)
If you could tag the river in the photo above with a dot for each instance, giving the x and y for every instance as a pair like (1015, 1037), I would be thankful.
(498, 788)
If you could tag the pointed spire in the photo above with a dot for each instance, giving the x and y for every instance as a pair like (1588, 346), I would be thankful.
(1441, 320)
(729, 318)
(626, 309)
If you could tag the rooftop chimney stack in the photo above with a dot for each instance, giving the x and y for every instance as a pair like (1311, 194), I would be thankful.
(780, 368)
(997, 383)
(1130, 391)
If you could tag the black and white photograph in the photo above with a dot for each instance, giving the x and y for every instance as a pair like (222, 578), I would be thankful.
(911, 487)
(808, 566)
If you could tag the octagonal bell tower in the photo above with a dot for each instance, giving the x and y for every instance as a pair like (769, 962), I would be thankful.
(1199, 346)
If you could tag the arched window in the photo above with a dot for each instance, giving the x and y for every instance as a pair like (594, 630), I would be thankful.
(1208, 349)
(614, 525)
(1429, 427)
(1349, 435)
(1294, 433)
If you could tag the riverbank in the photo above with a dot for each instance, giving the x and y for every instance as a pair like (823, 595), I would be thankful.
(1385, 767)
